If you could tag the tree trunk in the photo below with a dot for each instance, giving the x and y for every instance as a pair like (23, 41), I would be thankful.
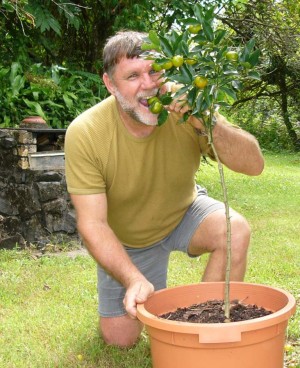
(285, 114)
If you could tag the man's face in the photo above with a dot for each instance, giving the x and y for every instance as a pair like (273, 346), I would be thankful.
(134, 81)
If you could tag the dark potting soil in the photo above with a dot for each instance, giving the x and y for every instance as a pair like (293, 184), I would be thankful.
(212, 311)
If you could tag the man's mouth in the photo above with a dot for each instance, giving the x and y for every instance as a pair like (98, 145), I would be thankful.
(143, 97)
(143, 102)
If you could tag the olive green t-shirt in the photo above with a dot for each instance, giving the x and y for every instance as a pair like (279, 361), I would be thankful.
(149, 182)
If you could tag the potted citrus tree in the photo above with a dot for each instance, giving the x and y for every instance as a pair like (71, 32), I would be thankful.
(202, 59)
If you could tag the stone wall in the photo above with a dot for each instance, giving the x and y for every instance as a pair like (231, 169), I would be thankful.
(35, 207)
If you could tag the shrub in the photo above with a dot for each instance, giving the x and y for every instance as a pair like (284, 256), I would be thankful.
(57, 94)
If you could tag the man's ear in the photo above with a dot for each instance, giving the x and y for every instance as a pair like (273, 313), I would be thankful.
(109, 84)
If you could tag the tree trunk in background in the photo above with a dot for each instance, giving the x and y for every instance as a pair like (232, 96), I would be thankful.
(285, 114)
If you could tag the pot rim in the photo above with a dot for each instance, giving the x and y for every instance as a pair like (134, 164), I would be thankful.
(279, 316)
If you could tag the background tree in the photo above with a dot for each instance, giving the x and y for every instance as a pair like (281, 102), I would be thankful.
(57, 46)
(73, 33)
(276, 26)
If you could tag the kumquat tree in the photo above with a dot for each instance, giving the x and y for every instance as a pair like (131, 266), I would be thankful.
(209, 68)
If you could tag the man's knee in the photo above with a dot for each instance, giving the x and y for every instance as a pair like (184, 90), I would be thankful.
(240, 235)
(120, 331)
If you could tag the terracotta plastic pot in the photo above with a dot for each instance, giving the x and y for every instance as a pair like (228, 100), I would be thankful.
(257, 343)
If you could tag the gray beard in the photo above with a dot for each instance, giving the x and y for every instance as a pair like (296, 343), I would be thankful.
(126, 107)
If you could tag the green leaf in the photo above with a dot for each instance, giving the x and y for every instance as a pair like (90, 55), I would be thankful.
(219, 35)
(166, 99)
(68, 100)
(208, 31)
(229, 92)
(153, 37)
(150, 46)
(254, 58)
(231, 72)
(181, 91)
(238, 85)
(209, 15)
(15, 68)
(3, 72)
(166, 47)
(223, 103)
(17, 84)
(198, 13)
(36, 95)
(207, 97)
(35, 107)
(94, 77)
(184, 118)
(250, 44)
(254, 75)
(52, 104)
(189, 21)
(162, 117)
(72, 95)
(201, 104)
(177, 47)
(55, 26)
(188, 72)
(184, 79)
(186, 115)
(221, 52)
(247, 50)
(191, 96)
(184, 48)
(44, 19)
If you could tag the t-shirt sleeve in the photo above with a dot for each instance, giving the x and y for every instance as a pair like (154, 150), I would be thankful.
(84, 170)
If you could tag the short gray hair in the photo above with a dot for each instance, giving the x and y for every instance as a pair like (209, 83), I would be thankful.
(123, 44)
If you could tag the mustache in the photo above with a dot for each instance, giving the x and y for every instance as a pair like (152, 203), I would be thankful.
(151, 93)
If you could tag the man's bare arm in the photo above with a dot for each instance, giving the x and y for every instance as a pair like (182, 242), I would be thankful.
(236, 148)
(106, 249)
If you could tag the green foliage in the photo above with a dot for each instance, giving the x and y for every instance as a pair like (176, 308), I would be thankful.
(222, 66)
(266, 124)
(44, 19)
(72, 34)
(47, 20)
(276, 27)
(29, 28)
(57, 94)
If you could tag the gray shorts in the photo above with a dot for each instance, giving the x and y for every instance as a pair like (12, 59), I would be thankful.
(152, 261)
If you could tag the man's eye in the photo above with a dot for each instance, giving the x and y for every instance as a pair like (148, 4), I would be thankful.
(133, 76)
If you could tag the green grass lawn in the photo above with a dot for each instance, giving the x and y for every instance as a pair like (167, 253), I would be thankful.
(48, 304)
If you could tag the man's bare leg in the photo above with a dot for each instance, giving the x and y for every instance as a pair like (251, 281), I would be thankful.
(210, 237)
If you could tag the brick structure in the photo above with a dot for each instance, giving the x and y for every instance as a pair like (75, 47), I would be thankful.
(35, 207)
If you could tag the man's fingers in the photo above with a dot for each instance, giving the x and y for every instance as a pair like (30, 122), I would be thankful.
(179, 105)
(130, 306)
(143, 294)
(137, 294)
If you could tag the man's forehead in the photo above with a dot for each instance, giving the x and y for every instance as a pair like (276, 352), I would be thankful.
(134, 62)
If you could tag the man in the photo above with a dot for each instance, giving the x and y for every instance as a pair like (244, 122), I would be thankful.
(132, 184)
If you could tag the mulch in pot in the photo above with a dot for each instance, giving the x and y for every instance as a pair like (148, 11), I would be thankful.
(212, 311)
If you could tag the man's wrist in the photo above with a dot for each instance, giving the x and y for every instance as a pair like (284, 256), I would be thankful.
(199, 131)
(206, 129)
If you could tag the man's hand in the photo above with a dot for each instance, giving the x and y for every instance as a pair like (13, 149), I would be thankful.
(180, 106)
(137, 293)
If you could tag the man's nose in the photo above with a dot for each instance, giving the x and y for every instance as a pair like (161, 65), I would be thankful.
(149, 81)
